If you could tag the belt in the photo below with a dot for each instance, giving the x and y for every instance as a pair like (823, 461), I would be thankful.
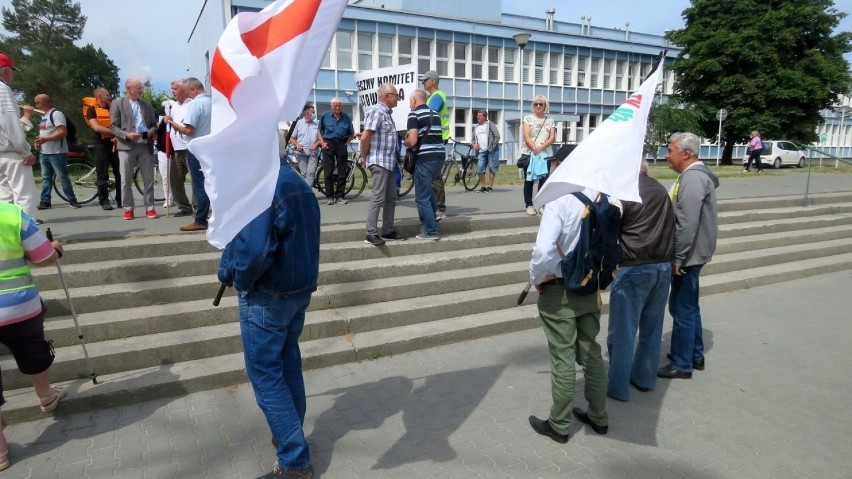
(553, 281)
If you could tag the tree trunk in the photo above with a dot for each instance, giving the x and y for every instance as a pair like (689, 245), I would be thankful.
(727, 154)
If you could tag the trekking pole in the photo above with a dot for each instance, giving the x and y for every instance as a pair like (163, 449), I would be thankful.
(92, 373)
(524, 293)
(219, 294)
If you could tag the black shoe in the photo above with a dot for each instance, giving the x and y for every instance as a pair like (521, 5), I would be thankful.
(278, 473)
(543, 427)
(583, 417)
(639, 388)
(43, 206)
(106, 206)
(374, 240)
(490, 189)
(394, 236)
(75, 204)
(670, 372)
(183, 213)
(39, 222)
(697, 363)
(483, 189)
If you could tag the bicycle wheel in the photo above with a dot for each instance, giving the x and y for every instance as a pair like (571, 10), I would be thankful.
(470, 178)
(159, 194)
(83, 180)
(319, 179)
(358, 178)
(407, 184)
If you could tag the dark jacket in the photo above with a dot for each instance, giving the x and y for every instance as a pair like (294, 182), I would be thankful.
(647, 228)
(278, 251)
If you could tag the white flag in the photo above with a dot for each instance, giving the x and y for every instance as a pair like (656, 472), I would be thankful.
(262, 71)
(609, 159)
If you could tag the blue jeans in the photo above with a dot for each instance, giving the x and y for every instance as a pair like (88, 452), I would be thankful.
(427, 204)
(198, 192)
(488, 159)
(687, 337)
(270, 325)
(638, 300)
(55, 163)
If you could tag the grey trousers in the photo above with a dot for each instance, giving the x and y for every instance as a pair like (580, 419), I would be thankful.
(384, 197)
(178, 169)
(139, 154)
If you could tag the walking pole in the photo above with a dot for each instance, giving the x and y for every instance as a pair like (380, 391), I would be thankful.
(74, 315)
(524, 293)
(166, 187)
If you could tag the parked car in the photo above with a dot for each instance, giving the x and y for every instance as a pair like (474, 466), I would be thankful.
(780, 153)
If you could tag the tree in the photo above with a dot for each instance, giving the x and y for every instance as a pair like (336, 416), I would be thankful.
(773, 64)
(665, 119)
(42, 45)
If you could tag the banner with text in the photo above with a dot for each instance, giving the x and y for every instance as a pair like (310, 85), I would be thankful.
(404, 77)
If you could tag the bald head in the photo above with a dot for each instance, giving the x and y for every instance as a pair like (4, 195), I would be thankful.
(134, 88)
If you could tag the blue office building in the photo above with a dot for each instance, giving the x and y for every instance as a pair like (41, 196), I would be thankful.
(584, 70)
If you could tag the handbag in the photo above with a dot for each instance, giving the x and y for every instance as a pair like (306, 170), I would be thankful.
(409, 163)
(524, 160)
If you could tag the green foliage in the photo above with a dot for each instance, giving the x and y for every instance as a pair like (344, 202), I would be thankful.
(156, 99)
(773, 64)
(41, 44)
(665, 119)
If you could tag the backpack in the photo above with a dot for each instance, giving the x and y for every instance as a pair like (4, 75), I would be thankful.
(71, 130)
(591, 266)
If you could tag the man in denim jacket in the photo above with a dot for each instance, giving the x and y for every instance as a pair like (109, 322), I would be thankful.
(273, 264)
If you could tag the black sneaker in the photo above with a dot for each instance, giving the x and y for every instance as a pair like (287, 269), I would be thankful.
(490, 189)
(106, 206)
(374, 240)
(394, 236)
(483, 189)
(43, 206)
(75, 204)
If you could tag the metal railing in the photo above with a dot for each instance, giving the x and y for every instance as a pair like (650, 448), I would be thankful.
(811, 149)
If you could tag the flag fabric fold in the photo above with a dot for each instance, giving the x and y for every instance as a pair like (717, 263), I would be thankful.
(262, 71)
(608, 160)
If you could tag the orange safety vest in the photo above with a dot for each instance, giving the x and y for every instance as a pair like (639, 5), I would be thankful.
(102, 113)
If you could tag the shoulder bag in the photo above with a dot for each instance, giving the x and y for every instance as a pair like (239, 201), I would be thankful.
(410, 161)
(524, 160)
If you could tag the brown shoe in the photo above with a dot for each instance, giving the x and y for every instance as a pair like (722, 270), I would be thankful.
(193, 227)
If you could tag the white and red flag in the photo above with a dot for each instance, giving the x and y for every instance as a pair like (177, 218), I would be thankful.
(608, 160)
(262, 72)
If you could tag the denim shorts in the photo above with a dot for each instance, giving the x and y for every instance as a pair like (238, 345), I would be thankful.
(489, 158)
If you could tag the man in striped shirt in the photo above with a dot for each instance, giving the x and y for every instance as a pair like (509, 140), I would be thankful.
(379, 151)
(424, 135)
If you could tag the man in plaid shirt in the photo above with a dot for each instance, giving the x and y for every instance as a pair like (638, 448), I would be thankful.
(379, 151)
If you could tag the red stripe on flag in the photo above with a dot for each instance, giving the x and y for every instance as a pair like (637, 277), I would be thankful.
(222, 77)
(291, 22)
(635, 100)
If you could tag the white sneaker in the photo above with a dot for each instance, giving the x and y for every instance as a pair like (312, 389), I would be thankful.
(440, 215)
(531, 211)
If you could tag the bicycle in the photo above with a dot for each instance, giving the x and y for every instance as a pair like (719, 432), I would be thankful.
(83, 177)
(351, 167)
(465, 166)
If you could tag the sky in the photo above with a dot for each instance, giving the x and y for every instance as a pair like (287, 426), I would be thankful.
(150, 43)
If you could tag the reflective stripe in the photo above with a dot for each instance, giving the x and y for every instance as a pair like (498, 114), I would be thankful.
(16, 283)
(12, 263)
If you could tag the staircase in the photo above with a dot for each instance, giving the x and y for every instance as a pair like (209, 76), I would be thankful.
(145, 304)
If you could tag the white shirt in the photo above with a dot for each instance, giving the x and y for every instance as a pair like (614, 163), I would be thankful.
(481, 132)
(178, 113)
(560, 224)
(50, 122)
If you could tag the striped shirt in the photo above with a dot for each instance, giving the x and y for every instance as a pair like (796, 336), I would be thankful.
(432, 144)
(23, 304)
(384, 144)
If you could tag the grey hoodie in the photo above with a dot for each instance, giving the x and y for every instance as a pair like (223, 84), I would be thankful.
(696, 223)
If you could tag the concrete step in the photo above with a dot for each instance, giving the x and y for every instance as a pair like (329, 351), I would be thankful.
(179, 378)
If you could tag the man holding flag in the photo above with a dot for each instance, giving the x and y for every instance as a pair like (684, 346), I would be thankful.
(262, 71)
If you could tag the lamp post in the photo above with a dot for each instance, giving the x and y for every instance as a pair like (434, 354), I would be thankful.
(521, 39)
(843, 111)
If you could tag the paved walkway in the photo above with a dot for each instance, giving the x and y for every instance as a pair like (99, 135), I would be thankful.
(91, 222)
(773, 403)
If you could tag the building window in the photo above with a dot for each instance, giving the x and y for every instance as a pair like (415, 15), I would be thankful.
(344, 50)
(539, 67)
(568, 70)
(525, 67)
(581, 71)
(477, 57)
(509, 65)
(554, 68)
(607, 74)
(424, 55)
(596, 64)
(493, 63)
(619, 75)
(461, 123)
(442, 58)
(406, 50)
(365, 51)
(460, 60)
(385, 51)
(593, 122)
(326, 60)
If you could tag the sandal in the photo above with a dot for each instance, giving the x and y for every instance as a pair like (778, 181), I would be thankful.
(52, 400)
(4, 463)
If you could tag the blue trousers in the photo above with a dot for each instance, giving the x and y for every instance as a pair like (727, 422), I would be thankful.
(55, 163)
(637, 301)
(687, 337)
(424, 174)
(198, 192)
(270, 326)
